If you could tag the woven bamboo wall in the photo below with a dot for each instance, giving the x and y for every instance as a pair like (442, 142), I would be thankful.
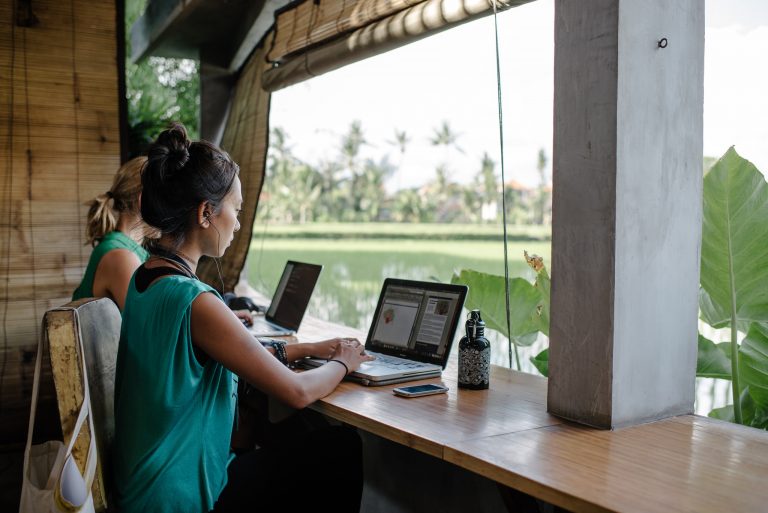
(59, 134)
(246, 138)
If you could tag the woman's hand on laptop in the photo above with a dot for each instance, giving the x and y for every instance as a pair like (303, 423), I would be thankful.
(325, 349)
(245, 316)
(351, 353)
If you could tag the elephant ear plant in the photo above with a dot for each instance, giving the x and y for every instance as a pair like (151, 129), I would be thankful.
(733, 293)
(528, 304)
(734, 285)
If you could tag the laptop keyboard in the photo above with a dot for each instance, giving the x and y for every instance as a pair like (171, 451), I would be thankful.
(394, 362)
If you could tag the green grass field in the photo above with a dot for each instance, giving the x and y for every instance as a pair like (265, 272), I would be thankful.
(355, 266)
(358, 256)
(492, 232)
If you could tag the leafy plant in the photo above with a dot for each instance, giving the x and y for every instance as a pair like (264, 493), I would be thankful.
(528, 303)
(158, 90)
(734, 283)
(733, 294)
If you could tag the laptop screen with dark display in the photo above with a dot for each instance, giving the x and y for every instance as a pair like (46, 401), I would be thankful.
(293, 293)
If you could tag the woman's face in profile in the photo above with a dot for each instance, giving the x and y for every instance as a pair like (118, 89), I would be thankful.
(226, 221)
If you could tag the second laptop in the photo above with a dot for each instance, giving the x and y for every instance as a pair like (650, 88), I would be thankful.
(290, 301)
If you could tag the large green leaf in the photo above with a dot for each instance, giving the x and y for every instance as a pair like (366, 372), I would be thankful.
(526, 339)
(716, 316)
(752, 415)
(753, 363)
(712, 361)
(486, 292)
(747, 409)
(712, 313)
(734, 252)
(725, 413)
(541, 362)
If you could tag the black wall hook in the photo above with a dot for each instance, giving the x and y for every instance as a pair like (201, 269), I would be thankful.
(663, 42)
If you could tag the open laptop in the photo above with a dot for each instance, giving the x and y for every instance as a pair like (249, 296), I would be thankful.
(289, 303)
(411, 334)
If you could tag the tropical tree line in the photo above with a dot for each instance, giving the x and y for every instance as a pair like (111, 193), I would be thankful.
(158, 90)
(349, 187)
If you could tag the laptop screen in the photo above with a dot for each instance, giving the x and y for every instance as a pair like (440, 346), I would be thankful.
(416, 320)
(293, 293)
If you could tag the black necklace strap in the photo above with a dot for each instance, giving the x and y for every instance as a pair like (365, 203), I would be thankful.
(161, 252)
(145, 277)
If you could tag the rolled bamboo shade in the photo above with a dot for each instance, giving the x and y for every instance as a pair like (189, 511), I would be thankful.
(314, 37)
(246, 138)
(59, 147)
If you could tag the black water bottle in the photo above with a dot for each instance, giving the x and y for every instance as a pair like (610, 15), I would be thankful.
(474, 355)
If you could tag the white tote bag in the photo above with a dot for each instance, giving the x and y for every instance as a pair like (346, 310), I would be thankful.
(52, 482)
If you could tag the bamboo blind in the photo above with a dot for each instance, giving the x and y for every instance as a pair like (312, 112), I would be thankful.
(59, 134)
(308, 23)
(246, 138)
(312, 38)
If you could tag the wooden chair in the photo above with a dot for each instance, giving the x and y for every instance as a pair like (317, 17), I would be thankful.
(98, 321)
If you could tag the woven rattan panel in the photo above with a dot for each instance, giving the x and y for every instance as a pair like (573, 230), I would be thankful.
(246, 138)
(59, 134)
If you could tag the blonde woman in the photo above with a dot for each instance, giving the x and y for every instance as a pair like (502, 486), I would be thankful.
(116, 232)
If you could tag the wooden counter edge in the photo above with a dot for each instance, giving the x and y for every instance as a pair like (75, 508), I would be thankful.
(505, 477)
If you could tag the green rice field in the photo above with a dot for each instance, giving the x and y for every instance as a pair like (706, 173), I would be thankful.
(355, 266)
(356, 259)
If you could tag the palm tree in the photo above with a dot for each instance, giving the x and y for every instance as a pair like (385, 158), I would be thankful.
(445, 136)
(401, 142)
(542, 194)
(489, 185)
(351, 143)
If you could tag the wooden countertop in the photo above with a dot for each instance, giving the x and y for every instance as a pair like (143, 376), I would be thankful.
(685, 463)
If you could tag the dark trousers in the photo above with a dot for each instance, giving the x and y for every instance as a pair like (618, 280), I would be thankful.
(321, 471)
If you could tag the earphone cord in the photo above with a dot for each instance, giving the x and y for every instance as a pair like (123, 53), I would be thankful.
(215, 259)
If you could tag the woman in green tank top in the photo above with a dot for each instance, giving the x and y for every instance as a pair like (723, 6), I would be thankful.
(181, 348)
(116, 231)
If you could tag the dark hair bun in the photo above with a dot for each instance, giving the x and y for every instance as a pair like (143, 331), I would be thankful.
(179, 177)
(170, 152)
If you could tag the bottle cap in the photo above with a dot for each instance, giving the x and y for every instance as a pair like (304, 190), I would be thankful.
(475, 324)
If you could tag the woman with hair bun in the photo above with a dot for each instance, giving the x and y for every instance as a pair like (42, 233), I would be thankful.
(116, 232)
(181, 349)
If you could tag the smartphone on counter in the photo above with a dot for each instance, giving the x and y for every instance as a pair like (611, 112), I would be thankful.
(419, 390)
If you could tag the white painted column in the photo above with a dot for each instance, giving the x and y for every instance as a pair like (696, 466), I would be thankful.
(627, 200)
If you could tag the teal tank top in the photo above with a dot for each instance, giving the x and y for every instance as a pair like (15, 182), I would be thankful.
(112, 240)
(173, 416)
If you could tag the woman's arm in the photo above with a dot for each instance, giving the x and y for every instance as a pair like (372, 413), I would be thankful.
(113, 275)
(219, 333)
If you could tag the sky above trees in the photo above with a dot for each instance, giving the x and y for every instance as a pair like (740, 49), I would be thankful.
(451, 78)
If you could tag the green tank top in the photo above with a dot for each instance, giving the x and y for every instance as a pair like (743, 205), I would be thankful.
(173, 416)
(112, 240)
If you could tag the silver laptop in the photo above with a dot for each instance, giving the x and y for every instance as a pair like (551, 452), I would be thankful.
(289, 303)
(411, 334)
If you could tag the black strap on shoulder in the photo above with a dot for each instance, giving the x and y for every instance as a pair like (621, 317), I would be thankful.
(144, 276)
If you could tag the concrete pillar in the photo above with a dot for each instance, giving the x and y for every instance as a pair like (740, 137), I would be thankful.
(216, 87)
(627, 200)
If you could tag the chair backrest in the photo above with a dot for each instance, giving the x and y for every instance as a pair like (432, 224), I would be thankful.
(97, 322)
